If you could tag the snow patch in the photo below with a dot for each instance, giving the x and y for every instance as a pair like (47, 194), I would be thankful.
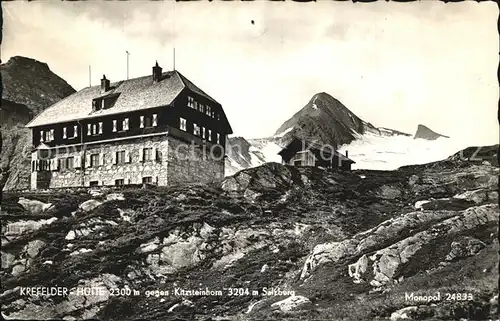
(381, 152)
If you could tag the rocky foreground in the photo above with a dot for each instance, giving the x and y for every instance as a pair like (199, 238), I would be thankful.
(271, 243)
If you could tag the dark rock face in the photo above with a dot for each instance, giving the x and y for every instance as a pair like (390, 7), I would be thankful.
(326, 119)
(325, 235)
(29, 86)
(425, 132)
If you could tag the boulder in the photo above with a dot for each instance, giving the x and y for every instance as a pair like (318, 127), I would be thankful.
(33, 206)
(115, 197)
(292, 303)
(356, 270)
(89, 205)
(22, 227)
(7, 260)
(389, 192)
(463, 247)
(403, 314)
(34, 247)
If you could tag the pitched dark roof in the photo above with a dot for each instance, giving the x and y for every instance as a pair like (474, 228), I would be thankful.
(296, 145)
(133, 94)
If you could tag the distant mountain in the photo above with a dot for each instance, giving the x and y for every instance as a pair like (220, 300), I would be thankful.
(425, 132)
(323, 119)
(29, 86)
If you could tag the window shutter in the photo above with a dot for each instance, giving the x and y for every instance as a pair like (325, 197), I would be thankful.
(65, 132)
(154, 154)
(114, 125)
(141, 154)
(142, 122)
(89, 128)
(75, 131)
(155, 120)
(78, 161)
(100, 127)
(87, 160)
(127, 181)
(127, 156)
(114, 157)
(101, 159)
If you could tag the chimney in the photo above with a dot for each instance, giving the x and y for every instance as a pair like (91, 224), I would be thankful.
(104, 84)
(156, 73)
(346, 154)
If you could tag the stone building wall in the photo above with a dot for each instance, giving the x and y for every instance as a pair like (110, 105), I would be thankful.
(193, 163)
(175, 162)
(107, 172)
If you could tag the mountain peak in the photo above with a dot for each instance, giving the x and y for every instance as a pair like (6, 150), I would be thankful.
(30, 82)
(424, 132)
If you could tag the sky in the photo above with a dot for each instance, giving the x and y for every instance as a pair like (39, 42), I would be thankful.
(393, 64)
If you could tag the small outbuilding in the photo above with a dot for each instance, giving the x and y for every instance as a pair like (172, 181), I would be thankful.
(299, 152)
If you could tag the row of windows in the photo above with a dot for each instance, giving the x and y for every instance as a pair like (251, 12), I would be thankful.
(206, 109)
(122, 181)
(203, 132)
(97, 128)
(148, 154)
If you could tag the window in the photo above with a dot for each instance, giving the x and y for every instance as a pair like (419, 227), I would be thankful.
(125, 124)
(114, 125)
(196, 130)
(50, 135)
(155, 120)
(218, 138)
(142, 122)
(96, 105)
(94, 183)
(203, 132)
(109, 102)
(94, 160)
(297, 162)
(94, 129)
(62, 164)
(182, 124)
(75, 131)
(70, 163)
(148, 121)
(65, 132)
(200, 107)
(120, 157)
(119, 182)
(100, 127)
(195, 106)
(42, 136)
(147, 154)
(89, 129)
(209, 110)
(209, 135)
(147, 180)
(191, 102)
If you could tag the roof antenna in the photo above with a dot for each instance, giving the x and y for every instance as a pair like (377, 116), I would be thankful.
(128, 54)
(174, 58)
